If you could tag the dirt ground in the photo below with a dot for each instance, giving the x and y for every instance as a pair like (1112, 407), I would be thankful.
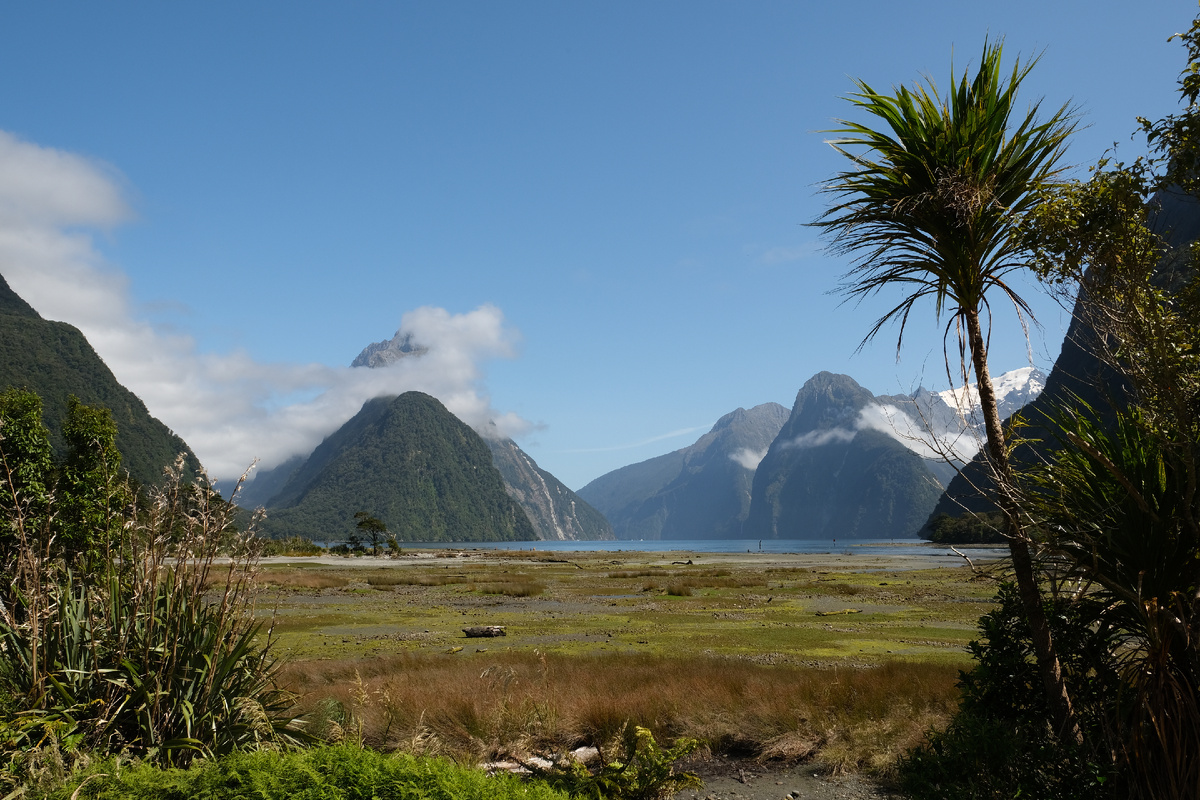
(734, 780)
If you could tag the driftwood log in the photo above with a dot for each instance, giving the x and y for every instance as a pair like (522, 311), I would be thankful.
(484, 631)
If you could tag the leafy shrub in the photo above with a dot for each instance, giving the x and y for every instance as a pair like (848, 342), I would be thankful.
(1001, 743)
(645, 771)
(323, 773)
(137, 657)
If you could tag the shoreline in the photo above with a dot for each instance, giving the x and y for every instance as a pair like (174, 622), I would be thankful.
(937, 557)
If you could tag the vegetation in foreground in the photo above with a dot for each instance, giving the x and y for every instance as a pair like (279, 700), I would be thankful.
(479, 709)
(330, 772)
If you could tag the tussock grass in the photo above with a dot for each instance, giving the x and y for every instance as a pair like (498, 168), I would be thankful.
(830, 587)
(693, 579)
(654, 572)
(300, 579)
(478, 707)
(516, 584)
(519, 588)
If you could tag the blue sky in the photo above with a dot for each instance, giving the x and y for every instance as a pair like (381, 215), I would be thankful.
(598, 207)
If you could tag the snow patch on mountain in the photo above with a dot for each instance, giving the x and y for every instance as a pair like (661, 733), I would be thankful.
(1013, 390)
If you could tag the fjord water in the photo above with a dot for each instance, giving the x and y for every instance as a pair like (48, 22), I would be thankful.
(866, 547)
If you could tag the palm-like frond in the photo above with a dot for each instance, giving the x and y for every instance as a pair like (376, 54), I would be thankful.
(937, 188)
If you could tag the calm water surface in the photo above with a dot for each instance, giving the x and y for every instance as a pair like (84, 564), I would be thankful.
(873, 547)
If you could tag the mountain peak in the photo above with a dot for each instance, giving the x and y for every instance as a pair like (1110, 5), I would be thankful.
(1014, 389)
(389, 351)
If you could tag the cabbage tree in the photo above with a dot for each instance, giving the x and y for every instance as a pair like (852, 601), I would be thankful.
(936, 191)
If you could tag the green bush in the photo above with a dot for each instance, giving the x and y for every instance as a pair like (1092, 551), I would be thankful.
(341, 772)
(967, 529)
(1001, 744)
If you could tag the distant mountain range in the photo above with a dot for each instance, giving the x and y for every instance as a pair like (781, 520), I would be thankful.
(833, 473)
(54, 360)
(699, 492)
(842, 464)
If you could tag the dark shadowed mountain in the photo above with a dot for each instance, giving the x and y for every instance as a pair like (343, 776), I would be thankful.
(1078, 374)
(55, 360)
(831, 474)
(699, 492)
(409, 462)
(262, 486)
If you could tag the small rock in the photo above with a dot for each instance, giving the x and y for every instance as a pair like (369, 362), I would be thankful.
(585, 755)
(483, 631)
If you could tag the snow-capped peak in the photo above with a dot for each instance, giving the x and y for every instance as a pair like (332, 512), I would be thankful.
(1013, 390)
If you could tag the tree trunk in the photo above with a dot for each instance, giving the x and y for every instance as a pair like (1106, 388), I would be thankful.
(1057, 696)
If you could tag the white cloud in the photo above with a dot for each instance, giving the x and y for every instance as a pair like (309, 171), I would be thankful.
(42, 186)
(749, 457)
(916, 435)
(822, 437)
(228, 407)
(642, 443)
(903, 427)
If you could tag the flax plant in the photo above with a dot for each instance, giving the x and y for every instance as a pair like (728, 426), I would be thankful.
(937, 191)
(156, 652)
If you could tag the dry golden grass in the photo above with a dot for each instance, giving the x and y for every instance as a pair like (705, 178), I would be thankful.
(300, 579)
(392, 577)
(477, 706)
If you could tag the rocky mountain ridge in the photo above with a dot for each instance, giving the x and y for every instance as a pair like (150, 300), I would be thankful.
(699, 492)
(554, 511)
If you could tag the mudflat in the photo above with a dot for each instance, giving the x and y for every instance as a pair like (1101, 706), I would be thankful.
(802, 673)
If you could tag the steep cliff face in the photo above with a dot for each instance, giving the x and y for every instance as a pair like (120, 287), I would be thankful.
(830, 474)
(1078, 375)
(555, 511)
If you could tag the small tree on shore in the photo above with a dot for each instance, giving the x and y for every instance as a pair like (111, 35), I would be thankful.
(373, 528)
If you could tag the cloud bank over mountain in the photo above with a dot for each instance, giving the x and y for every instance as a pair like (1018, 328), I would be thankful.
(229, 407)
